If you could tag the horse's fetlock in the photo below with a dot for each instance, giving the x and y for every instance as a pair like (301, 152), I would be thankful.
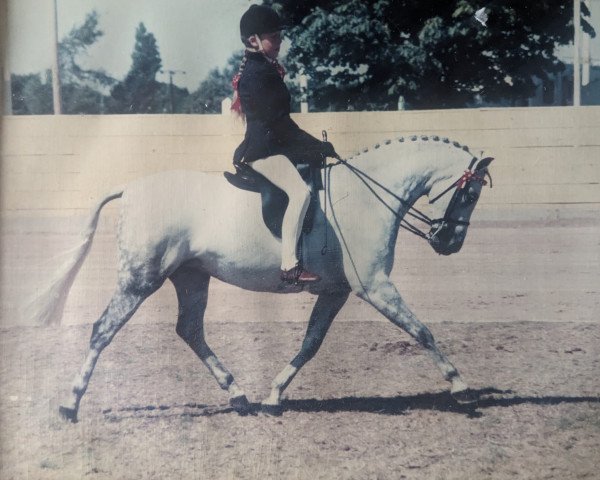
(275, 386)
(227, 381)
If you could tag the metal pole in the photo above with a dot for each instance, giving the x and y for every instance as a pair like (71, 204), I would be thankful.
(5, 89)
(56, 96)
(171, 92)
(586, 54)
(303, 93)
(576, 64)
(6, 92)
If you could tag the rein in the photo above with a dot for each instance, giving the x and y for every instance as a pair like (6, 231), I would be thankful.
(467, 177)
(413, 212)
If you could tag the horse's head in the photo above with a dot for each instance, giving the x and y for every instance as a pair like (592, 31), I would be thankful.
(453, 208)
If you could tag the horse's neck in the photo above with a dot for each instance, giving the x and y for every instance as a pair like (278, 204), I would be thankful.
(410, 170)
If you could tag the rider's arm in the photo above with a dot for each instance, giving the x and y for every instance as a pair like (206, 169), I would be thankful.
(268, 101)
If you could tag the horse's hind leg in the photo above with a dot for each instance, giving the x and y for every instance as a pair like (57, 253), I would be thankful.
(192, 293)
(324, 311)
(385, 298)
(120, 309)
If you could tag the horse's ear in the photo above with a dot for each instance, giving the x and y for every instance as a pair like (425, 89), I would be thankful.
(483, 163)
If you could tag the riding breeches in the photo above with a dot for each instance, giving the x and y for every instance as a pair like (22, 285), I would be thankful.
(283, 174)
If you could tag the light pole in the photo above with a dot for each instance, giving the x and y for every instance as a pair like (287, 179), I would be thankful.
(576, 63)
(586, 53)
(5, 88)
(303, 93)
(171, 73)
(56, 97)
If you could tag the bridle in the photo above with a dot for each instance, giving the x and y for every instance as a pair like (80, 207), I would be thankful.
(436, 224)
(460, 185)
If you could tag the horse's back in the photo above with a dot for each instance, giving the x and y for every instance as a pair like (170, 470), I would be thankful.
(177, 198)
(177, 216)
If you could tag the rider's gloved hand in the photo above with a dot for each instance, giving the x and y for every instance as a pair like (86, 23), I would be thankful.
(328, 150)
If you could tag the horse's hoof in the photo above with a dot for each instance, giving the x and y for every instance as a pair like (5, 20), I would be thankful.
(466, 396)
(272, 410)
(68, 414)
(240, 405)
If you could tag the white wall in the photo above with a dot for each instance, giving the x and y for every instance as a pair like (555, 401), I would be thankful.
(49, 164)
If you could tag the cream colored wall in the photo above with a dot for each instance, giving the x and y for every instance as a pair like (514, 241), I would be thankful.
(50, 164)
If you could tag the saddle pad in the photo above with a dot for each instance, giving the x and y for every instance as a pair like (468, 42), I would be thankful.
(275, 200)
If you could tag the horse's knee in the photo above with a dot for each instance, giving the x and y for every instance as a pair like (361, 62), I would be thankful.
(190, 332)
(184, 330)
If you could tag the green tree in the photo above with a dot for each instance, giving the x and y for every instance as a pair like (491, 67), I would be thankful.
(164, 95)
(214, 88)
(75, 44)
(31, 96)
(217, 86)
(81, 87)
(366, 54)
(139, 92)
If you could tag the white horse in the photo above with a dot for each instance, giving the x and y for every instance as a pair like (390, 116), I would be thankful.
(190, 226)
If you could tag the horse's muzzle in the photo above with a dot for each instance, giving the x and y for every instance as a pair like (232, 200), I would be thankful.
(445, 241)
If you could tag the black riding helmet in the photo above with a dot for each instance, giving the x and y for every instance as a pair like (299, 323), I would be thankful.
(257, 20)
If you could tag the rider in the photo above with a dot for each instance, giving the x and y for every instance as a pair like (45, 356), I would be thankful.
(273, 143)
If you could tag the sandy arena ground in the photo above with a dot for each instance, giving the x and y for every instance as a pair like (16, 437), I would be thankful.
(516, 311)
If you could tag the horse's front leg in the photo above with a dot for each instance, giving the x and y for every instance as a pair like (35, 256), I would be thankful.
(385, 297)
(324, 311)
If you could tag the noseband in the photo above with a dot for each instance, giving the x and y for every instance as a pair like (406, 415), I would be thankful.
(462, 183)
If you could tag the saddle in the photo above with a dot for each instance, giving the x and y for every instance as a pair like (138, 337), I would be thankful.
(275, 200)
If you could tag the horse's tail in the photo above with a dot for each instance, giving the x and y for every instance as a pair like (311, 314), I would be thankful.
(46, 308)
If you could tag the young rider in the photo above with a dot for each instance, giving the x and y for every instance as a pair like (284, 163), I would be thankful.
(273, 143)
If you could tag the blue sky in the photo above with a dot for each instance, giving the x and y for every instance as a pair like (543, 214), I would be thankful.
(192, 35)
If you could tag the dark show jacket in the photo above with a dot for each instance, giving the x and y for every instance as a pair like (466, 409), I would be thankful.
(270, 131)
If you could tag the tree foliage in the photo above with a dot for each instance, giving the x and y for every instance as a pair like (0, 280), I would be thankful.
(75, 44)
(139, 92)
(366, 54)
(170, 93)
(217, 86)
(81, 87)
(214, 88)
(31, 96)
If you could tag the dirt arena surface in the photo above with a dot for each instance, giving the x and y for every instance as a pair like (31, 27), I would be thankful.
(516, 311)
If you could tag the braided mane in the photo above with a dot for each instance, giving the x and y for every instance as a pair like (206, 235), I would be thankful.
(414, 138)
